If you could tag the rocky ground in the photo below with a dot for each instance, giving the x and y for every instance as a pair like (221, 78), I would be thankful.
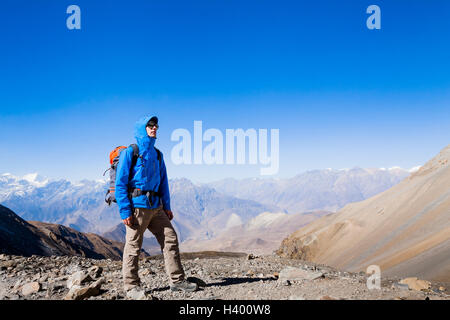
(221, 276)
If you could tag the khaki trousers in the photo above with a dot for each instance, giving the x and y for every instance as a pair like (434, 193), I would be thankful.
(158, 223)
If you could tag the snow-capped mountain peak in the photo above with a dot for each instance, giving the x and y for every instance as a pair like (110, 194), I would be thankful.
(36, 179)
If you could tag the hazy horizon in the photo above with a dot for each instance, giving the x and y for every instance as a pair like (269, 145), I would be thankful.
(30, 175)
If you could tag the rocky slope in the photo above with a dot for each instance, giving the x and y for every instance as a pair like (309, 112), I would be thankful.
(224, 276)
(405, 230)
(20, 237)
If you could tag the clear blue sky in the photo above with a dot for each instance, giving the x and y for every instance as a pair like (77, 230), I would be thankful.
(340, 94)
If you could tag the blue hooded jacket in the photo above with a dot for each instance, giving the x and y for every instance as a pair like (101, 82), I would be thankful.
(147, 174)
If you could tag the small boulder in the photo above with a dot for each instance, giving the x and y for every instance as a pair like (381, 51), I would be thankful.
(8, 264)
(416, 284)
(78, 278)
(251, 256)
(77, 292)
(95, 271)
(138, 294)
(30, 288)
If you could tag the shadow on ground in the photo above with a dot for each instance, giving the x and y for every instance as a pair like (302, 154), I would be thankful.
(221, 283)
(232, 281)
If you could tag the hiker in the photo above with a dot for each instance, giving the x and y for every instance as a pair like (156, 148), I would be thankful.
(142, 194)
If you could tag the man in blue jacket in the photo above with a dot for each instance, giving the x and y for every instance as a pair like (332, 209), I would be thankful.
(142, 193)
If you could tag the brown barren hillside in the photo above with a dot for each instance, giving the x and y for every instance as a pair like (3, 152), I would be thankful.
(72, 242)
(405, 230)
(26, 238)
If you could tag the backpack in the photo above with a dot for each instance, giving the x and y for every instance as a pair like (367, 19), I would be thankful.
(114, 161)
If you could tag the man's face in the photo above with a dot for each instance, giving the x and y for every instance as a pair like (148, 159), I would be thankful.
(151, 130)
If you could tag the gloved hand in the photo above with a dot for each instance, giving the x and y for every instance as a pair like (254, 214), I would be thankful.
(130, 221)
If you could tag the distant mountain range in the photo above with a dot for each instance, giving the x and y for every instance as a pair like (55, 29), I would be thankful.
(315, 190)
(404, 230)
(202, 212)
(76, 205)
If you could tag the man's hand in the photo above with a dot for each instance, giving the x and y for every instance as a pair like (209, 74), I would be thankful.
(129, 221)
(169, 214)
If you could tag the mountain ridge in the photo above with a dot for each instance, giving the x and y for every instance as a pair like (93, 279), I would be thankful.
(404, 230)
(26, 238)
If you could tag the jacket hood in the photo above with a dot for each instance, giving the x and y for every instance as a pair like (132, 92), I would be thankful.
(140, 133)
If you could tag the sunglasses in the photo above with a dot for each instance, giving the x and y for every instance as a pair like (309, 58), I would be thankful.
(152, 125)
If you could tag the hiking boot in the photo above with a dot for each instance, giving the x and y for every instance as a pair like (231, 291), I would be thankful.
(184, 286)
(137, 293)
